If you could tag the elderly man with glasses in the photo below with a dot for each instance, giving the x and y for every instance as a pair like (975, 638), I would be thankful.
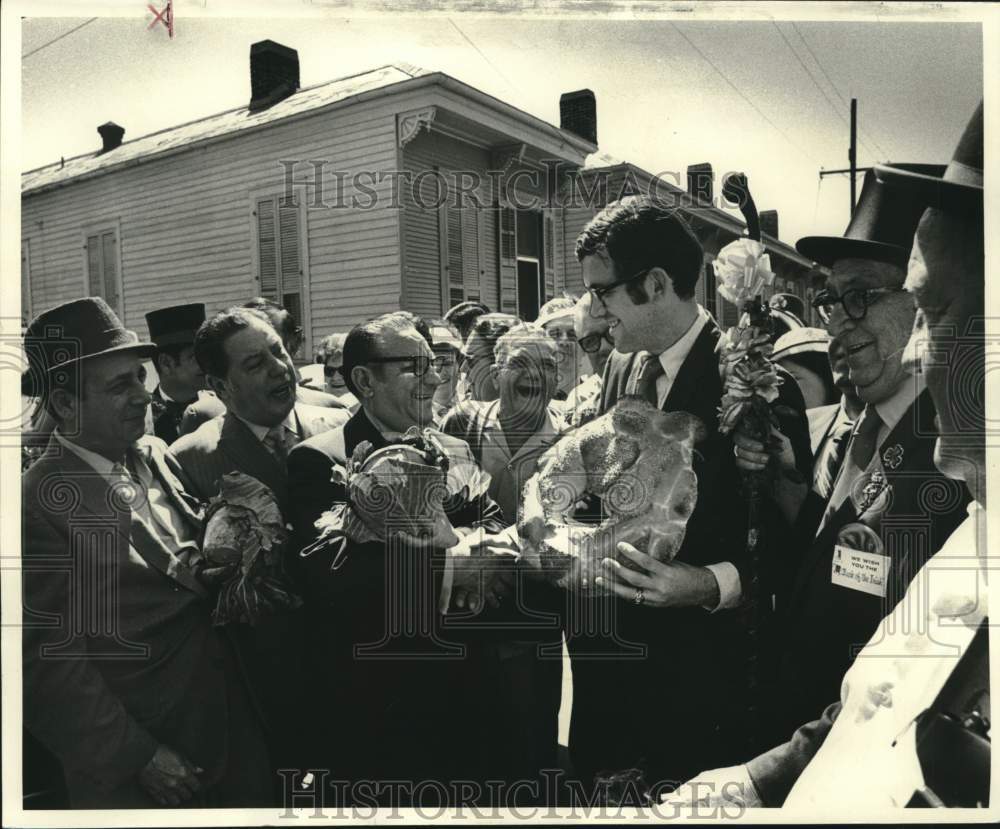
(889, 508)
(592, 336)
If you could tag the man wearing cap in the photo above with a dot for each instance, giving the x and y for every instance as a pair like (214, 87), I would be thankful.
(125, 678)
(911, 727)
(556, 318)
(802, 352)
(180, 377)
(881, 522)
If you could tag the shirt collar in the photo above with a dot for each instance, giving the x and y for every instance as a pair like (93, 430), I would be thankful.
(387, 433)
(260, 432)
(892, 409)
(98, 463)
(166, 397)
(673, 358)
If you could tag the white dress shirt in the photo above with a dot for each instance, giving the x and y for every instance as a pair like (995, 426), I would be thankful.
(290, 423)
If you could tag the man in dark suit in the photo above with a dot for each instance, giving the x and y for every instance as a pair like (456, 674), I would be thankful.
(248, 368)
(180, 377)
(882, 697)
(126, 680)
(641, 263)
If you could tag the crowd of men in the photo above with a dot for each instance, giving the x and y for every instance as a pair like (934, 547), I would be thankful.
(742, 669)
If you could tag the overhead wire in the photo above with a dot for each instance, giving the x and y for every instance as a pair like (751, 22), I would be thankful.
(829, 80)
(55, 39)
(812, 77)
(738, 91)
(482, 55)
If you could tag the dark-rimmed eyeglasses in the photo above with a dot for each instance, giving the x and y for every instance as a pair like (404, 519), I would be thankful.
(419, 365)
(598, 292)
(855, 302)
(592, 342)
(332, 371)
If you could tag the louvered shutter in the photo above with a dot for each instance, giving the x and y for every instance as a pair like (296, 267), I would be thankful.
(267, 249)
(548, 254)
(95, 273)
(470, 252)
(289, 259)
(110, 275)
(25, 282)
(507, 236)
(454, 277)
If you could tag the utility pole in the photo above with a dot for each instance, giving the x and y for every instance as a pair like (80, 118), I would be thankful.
(852, 158)
(852, 154)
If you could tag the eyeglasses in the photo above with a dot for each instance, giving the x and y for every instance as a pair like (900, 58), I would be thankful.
(855, 302)
(419, 365)
(592, 342)
(332, 371)
(598, 292)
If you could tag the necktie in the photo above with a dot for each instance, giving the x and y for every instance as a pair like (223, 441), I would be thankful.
(828, 464)
(274, 440)
(645, 383)
(863, 441)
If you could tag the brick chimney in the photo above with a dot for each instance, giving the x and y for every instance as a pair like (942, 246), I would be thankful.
(769, 223)
(274, 74)
(578, 114)
(111, 135)
(700, 181)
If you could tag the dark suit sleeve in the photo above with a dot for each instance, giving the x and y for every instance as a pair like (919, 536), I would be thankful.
(310, 491)
(68, 706)
(482, 512)
(775, 772)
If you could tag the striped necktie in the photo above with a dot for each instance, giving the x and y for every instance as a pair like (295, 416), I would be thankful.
(645, 383)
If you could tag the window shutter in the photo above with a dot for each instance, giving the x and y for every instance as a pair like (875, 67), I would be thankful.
(94, 269)
(267, 252)
(548, 254)
(110, 275)
(710, 291)
(453, 266)
(470, 252)
(290, 259)
(507, 236)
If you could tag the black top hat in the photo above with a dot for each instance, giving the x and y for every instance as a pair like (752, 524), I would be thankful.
(959, 189)
(881, 228)
(71, 332)
(175, 325)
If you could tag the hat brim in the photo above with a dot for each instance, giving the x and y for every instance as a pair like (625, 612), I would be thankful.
(949, 196)
(826, 250)
(28, 378)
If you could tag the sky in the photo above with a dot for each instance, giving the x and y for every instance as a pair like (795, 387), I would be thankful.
(767, 97)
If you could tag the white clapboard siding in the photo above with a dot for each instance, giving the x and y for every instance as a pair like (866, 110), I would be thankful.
(185, 222)
(574, 219)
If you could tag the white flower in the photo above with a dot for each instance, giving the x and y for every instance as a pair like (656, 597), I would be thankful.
(742, 270)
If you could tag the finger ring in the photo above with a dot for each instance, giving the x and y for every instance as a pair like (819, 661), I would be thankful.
(639, 597)
(736, 450)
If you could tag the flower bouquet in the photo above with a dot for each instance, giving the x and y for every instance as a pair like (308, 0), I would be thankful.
(243, 526)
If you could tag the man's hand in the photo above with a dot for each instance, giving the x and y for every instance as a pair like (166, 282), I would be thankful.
(169, 778)
(213, 577)
(753, 456)
(663, 583)
(485, 568)
(730, 786)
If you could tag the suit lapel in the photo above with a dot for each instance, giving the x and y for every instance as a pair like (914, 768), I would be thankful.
(248, 454)
(96, 499)
(825, 541)
(359, 429)
(695, 372)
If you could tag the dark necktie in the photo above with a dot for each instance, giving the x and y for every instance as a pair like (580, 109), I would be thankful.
(829, 462)
(645, 383)
(865, 437)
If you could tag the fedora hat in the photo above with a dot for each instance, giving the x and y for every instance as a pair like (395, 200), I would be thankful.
(73, 332)
(958, 189)
(881, 228)
(175, 325)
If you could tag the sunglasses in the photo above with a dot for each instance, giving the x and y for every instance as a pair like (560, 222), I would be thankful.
(419, 365)
(332, 371)
(592, 342)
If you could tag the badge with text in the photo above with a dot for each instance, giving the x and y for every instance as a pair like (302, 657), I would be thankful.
(859, 562)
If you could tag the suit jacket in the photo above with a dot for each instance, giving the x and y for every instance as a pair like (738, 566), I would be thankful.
(119, 649)
(821, 626)
(225, 444)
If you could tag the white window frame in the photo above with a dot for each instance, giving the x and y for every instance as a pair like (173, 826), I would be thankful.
(299, 191)
(97, 228)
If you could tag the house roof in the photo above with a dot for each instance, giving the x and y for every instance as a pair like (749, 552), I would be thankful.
(214, 126)
(304, 101)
